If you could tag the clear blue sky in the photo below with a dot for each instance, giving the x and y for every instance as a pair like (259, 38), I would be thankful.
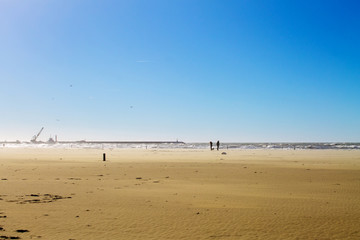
(241, 71)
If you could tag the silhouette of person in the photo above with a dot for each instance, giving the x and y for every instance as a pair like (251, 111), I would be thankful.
(211, 145)
(217, 145)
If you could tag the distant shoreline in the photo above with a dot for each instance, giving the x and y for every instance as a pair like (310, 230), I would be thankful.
(124, 142)
(158, 141)
(183, 145)
(97, 142)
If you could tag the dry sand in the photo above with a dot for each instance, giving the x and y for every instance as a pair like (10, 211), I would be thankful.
(179, 194)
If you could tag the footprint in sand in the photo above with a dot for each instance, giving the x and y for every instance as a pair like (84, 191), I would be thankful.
(6, 237)
(74, 178)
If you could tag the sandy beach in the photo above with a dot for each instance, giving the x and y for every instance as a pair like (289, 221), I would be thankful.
(179, 194)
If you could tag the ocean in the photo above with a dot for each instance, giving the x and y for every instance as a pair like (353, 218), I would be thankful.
(181, 145)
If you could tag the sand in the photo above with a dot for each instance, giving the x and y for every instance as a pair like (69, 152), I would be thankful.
(179, 194)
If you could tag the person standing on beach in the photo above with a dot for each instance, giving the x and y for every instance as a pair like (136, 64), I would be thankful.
(217, 145)
(211, 147)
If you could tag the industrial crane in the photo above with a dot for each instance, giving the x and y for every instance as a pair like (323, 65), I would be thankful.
(34, 138)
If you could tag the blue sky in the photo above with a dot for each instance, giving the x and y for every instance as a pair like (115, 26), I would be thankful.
(237, 71)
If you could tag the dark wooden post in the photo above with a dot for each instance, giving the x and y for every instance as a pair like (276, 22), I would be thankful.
(104, 157)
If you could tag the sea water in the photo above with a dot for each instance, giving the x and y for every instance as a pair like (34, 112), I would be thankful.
(180, 145)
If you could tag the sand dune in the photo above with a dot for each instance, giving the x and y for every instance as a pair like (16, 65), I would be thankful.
(179, 194)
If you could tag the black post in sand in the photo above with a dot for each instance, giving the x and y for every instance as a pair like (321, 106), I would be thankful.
(104, 157)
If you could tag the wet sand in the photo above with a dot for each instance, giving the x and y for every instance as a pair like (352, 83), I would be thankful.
(179, 194)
